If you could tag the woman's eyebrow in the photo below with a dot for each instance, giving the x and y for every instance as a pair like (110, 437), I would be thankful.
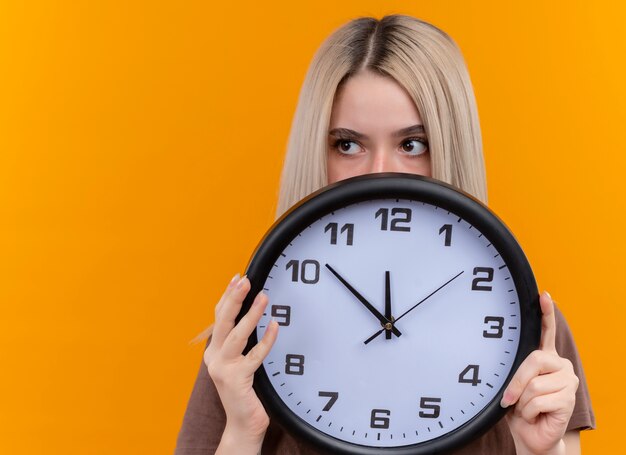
(409, 130)
(346, 132)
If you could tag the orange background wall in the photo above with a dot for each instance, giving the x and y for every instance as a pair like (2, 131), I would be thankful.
(140, 149)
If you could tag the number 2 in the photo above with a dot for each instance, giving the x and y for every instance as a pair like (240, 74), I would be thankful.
(476, 286)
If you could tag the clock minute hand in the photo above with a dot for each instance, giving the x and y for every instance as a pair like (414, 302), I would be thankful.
(388, 304)
(417, 304)
(383, 320)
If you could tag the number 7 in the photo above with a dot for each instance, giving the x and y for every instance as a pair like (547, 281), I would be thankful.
(333, 397)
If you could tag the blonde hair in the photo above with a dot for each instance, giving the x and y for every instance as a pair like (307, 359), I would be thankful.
(421, 58)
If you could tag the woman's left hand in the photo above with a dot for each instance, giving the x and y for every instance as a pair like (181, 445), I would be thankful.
(543, 391)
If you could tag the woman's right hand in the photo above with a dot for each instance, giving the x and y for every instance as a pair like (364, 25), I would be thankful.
(233, 373)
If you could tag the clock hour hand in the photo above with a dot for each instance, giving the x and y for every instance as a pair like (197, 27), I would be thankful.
(387, 324)
(417, 304)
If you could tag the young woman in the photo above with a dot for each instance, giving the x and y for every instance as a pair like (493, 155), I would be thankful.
(382, 95)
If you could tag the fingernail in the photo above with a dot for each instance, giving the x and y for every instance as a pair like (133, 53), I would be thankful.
(548, 294)
(504, 402)
(258, 298)
(233, 281)
(241, 281)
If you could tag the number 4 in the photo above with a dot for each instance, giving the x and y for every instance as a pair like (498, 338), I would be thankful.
(474, 379)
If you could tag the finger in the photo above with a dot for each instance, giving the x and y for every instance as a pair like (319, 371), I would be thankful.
(544, 404)
(228, 290)
(231, 306)
(257, 354)
(538, 362)
(238, 337)
(548, 323)
(543, 385)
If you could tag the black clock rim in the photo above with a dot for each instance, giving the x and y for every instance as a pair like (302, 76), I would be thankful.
(395, 186)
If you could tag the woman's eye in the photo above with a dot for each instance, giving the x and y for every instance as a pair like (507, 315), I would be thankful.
(347, 147)
(414, 147)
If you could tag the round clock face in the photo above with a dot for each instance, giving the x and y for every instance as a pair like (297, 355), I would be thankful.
(404, 308)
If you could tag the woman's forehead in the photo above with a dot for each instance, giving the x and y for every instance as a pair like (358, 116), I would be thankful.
(371, 102)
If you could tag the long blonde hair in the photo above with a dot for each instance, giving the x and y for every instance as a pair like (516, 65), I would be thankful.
(421, 58)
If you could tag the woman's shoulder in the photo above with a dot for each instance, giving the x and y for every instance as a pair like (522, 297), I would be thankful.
(583, 417)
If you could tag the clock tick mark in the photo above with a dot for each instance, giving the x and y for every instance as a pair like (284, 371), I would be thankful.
(459, 220)
(511, 290)
(353, 431)
(428, 429)
(497, 255)
(502, 364)
(261, 327)
(472, 403)
(501, 267)
(489, 385)
(451, 418)
(488, 245)
(512, 328)
(404, 435)
(496, 375)
(462, 411)
(509, 339)
(265, 289)
(270, 277)
(507, 278)
(378, 437)
(416, 434)
(480, 236)
(366, 435)
(470, 228)
(330, 423)
(506, 352)
(512, 303)
(318, 418)
(290, 394)
(298, 404)
(283, 254)
(308, 411)
(440, 424)
(269, 363)
(282, 384)
(340, 429)
(483, 396)
(276, 374)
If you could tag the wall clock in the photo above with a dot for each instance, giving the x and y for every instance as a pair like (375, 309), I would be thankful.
(405, 306)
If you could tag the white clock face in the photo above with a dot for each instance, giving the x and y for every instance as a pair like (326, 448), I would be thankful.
(446, 358)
